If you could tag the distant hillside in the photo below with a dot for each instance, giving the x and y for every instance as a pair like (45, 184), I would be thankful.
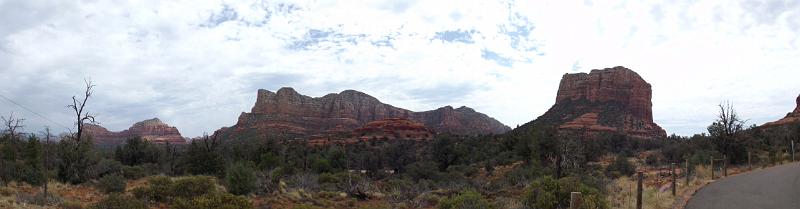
(151, 130)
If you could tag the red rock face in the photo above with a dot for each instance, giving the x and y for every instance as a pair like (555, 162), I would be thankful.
(791, 118)
(612, 84)
(384, 129)
(151, 130)
(287, 112)
(608, 100)
(394, 128)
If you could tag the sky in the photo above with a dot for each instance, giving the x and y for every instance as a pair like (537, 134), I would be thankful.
(197, 65)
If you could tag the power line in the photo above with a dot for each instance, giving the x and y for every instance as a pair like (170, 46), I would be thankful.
(35, 113)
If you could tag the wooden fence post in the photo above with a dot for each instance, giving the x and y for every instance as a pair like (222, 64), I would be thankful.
(749, 161)
(712, 168)
(792, 150)
(575, 200)
(639, 190)
(674, 185)
(725, 166)
(687, 172)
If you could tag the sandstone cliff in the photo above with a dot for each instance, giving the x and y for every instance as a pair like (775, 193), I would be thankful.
(791, 118)
(287, 112)
(152, 130)
(609, 100)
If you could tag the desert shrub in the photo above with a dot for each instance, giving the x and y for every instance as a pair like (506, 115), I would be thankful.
(523, 175)
(158, 189)
(463, 170)
(164, 189)
(380, 206)
(321, 165)
(327, 178)
(193, 186)
(241, 179)
(202, 158)
(620, 167)
(117, 201)
(305, 206)
(133, 172)
(469, 199)
(306, 181)
(39, 199)
(112, 183)
(70, 205)
(423, 170)
(216, 200)
(136, 151)
(548, 192)
(106, 167)
(76, 160)
(5, 191)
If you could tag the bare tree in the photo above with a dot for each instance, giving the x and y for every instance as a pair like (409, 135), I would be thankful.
(12, 124)
(727, 128)
(82, 116)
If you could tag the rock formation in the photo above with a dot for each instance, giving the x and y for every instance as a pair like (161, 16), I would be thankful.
(287, 112)
(608, 100)
(151, 130)
(791, 118)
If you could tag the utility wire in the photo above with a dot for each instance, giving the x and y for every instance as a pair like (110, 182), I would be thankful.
(35, 113)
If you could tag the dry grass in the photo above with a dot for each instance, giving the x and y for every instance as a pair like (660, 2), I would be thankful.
(622, 191)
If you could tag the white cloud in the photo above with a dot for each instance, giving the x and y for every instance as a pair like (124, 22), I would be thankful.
(197, 64)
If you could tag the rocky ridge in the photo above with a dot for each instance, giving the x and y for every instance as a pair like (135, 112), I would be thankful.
(287, 112)
(152, 130)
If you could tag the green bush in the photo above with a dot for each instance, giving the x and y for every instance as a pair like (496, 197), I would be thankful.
(215, 200)
(112, 183)
(116, 201)
(133, 172)
(548, 192)
(469, 199)
(241, 179)
(620, 167)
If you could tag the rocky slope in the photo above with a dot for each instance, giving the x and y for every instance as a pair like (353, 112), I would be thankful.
(791, 118)
(287, 112)
(608, 100)
(152, 130)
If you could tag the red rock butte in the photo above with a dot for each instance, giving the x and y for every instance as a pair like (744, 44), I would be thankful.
(152, 130)
(791, 118)
(287, 112)
(614, 100)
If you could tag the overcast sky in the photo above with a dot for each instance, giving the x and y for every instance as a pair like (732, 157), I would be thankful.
(198, 64)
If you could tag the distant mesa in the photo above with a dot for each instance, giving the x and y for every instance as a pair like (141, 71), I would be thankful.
(791, 118)
(288, 113)
(611, 100)
(152, 130)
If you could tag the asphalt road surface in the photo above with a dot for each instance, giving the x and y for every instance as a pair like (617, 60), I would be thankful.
(771, 188)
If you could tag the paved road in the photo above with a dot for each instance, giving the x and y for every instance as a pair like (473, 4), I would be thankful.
(771, 188)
